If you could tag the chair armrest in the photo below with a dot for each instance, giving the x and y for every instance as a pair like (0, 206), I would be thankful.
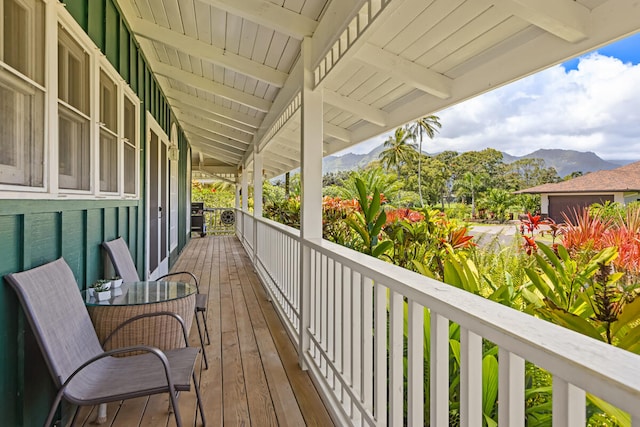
(145, 315)
(175, 273)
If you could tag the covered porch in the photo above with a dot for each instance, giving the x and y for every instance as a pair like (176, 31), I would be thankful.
(253, 376)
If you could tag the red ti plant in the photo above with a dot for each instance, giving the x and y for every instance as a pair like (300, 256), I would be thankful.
(528, 227)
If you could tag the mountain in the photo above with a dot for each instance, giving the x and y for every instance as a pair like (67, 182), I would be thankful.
(350, 161)
(564, 161)
(567, 161)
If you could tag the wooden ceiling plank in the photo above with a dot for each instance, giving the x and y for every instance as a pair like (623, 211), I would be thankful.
(203, 50)
(365, 111)
(336, 132)
(409, 72)
(199, 140)
(215, 88)
(234, 146)
(212, 117)
(203, 104)
(200, 144)
(482, 43)
(568, 20)
(269, 15)
(214, 127)
(456, 21)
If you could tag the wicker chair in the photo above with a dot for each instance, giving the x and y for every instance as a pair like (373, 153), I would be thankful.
(82, 371)
(120, 256)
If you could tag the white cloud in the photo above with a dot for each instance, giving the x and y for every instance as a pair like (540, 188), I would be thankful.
(595, 107)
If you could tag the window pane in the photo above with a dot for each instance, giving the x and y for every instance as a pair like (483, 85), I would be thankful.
(129, 120)
(73, 150)
(23, 37)
(21, 132)
(73, 72)
(108, 162)
(108, 104)
(129, 169)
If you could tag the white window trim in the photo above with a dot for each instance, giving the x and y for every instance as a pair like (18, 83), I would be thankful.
(57, 15)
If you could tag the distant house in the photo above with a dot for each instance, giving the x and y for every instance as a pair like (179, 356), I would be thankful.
(617, 185)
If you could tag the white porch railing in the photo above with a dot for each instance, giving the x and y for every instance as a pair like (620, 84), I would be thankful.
(348, 319)
(244, 230)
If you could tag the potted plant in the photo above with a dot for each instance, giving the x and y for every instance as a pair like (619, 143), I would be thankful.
(116, 281)
(101, 289)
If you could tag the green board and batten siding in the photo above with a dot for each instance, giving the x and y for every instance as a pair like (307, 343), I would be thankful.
(33, 232)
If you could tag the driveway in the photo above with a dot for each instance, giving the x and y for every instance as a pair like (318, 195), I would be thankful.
(504, 234)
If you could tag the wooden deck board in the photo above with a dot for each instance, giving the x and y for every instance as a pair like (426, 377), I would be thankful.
(253, 376)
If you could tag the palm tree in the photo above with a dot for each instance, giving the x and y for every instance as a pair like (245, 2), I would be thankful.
(398, 150)
(421, 127)
(471, 184)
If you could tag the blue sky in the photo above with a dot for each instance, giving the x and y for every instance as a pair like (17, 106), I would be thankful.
(591, 103)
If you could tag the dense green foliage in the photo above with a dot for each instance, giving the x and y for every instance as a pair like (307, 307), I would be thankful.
(586, 279)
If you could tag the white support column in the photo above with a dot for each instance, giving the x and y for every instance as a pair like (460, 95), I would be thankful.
(245, 189)
(257, 199)
(238, 196)
(311, 187)
(239, 219)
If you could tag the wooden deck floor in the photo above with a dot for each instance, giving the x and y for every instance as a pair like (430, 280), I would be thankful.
(253, 377)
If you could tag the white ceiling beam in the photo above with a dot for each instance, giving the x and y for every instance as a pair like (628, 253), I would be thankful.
(210, 150)
(509, 61)
(334, 20)
(282, 164)
(566, 19)
(205, 169)
(234, 146)
(199, 140)
(222, 130)
(357, 108)
(280, 104)
(269, 15)
(222, 170)
(203, 104)
(210, 86)
(336, 132)
(407, 71)
(208, 115)
(284, 151)
(203, 50)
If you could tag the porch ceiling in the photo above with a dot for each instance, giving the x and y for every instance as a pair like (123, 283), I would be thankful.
(231, 69)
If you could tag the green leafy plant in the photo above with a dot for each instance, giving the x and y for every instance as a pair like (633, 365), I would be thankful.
(368, 222)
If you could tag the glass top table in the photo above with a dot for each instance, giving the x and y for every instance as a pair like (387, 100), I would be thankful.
(144, 292)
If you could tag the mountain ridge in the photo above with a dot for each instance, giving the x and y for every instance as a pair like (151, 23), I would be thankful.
(564, 161)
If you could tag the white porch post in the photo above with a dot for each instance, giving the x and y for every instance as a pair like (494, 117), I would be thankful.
(238, 196)
(244, 193)
(311, 188)
(257, 199)
(245, 189)
(237, 205)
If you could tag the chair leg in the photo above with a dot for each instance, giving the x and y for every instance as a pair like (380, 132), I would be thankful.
(199, 398)
(54, 407)
(206, 329)
(174, 404)
(204, 354)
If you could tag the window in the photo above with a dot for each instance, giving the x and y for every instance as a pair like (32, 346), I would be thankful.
(22, 93)
(74, 142)
(95, 149)
(130, 158)
(108, 134)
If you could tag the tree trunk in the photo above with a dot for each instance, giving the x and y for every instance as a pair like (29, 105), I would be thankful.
(473, 205)
(286, 185)
(420, 173)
